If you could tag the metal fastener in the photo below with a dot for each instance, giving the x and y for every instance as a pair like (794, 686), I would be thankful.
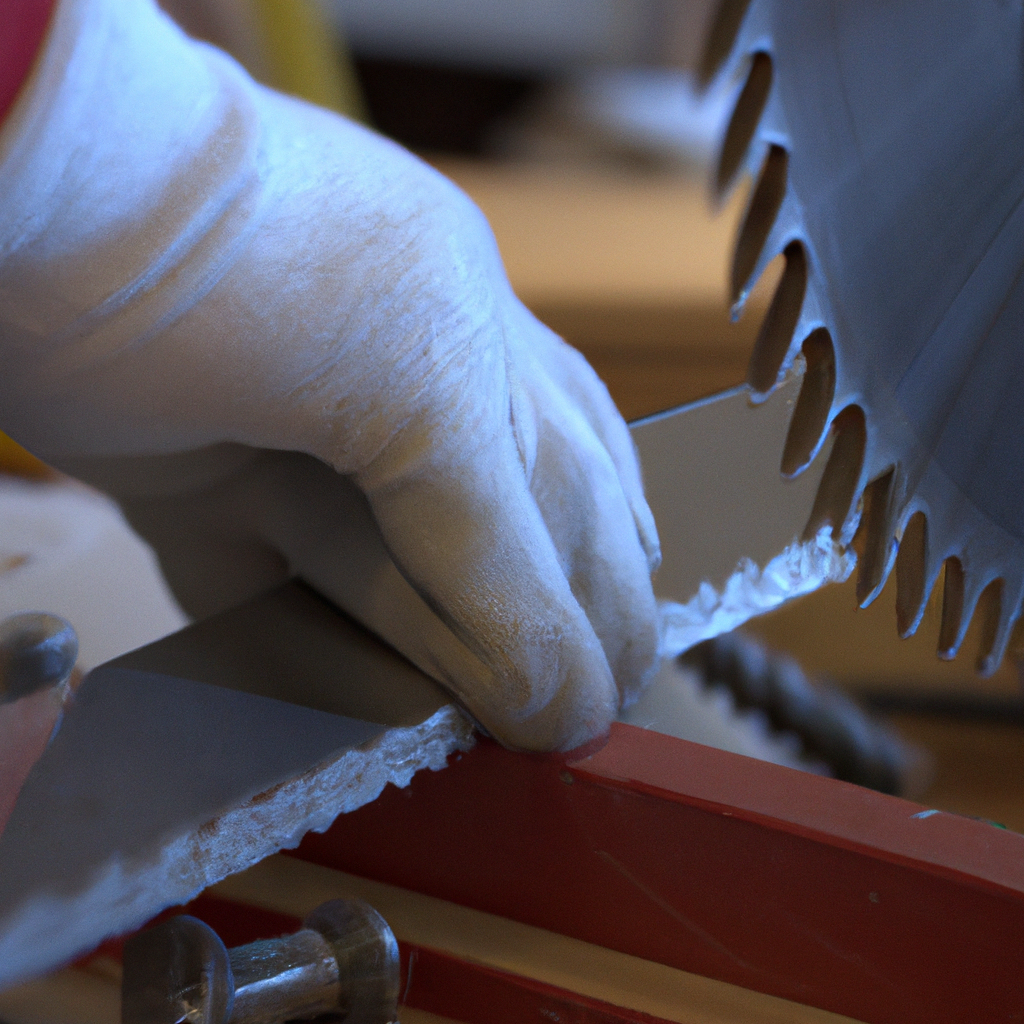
(37, 650)
(343, 961)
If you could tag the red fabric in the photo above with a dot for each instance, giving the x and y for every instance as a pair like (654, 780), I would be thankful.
(23, 25)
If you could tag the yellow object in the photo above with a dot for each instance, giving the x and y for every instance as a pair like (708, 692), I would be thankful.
(306, 57)
(16, 460)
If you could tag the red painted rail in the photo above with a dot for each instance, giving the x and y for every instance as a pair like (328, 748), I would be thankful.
(789, 884)
(781, 882)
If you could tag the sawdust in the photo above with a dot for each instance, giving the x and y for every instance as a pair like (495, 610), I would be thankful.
(801, 568)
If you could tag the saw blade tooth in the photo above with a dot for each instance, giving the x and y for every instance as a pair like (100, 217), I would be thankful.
(810, 420)
(1015, 642)
(878, 525)
(840, 482)
(952, 625)
(989, 612)
(745, 118)
(725, 27)
(758, 222)
(1009, 617)
(779, 325)
(911, 575)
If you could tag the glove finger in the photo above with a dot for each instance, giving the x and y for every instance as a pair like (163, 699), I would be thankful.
(463, 528)
(580, 494)
(576, 377)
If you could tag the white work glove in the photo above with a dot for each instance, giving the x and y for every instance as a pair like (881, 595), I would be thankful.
(193, 267)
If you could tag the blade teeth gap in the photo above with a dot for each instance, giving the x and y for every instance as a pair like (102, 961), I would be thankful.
(810, 417)
(911, 572)
(776, 334)
(989, 611)
(745, 117)
(725, 27)
(759, 220)
(837, 490)
(877, 527)
(952, 608)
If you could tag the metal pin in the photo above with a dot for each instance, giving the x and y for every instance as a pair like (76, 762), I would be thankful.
(343, 961)
(37, 650)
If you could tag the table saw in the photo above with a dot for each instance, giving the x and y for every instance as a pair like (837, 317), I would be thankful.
(729, 886)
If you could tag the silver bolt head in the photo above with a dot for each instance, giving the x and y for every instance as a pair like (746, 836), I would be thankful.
(37, 650)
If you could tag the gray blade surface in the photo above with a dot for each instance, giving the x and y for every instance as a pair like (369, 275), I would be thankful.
(711, 474)
(119, 817)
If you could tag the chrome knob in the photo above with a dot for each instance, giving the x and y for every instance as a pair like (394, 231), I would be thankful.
(37, 650)
(344, 960)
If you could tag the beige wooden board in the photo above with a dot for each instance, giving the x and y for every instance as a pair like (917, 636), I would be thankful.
(69, 996)
(860, 647)
(77, 996)
(291, 886)
(655, 357)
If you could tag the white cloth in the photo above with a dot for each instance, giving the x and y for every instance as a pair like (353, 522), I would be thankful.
(194, 268)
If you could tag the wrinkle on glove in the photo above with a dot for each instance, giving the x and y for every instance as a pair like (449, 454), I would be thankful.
(195, 270)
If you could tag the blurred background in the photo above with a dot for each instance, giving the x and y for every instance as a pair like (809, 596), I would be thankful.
(577, 127)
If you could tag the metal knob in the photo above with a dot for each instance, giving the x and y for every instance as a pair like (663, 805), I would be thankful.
(37, 650)
(343, 961)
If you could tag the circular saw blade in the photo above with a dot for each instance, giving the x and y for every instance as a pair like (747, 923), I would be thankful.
(887, 145)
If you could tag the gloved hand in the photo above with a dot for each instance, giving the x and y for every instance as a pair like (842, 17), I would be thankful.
(194, 268)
